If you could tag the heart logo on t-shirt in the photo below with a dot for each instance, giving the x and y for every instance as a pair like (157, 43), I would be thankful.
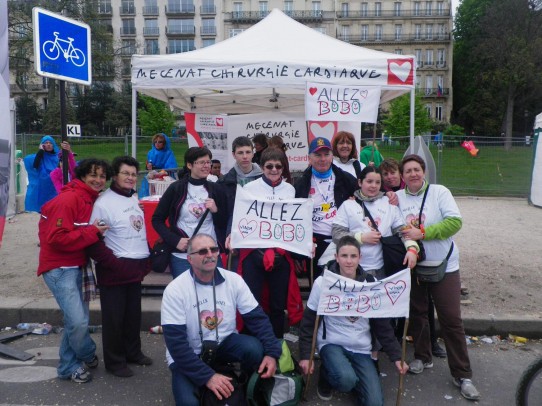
(209, 320)
(196, 209)
(137, 222)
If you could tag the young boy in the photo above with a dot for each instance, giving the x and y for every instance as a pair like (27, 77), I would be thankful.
(344, 343)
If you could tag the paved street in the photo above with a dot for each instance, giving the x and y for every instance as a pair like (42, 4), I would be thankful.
(496, 367)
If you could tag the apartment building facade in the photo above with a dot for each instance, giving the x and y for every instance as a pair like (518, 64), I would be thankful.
(408, 27)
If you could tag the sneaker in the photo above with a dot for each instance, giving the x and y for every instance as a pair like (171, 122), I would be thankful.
(93, 363)
(437, 350)
(468, 390)
(417, 366)
(81, 375)
(323, 389)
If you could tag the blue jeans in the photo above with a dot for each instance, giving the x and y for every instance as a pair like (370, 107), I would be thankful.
(178, 265)
(346, 371)
(241, 348)
(76, 346)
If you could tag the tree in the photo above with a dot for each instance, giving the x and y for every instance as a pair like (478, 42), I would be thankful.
(498, 54)
(28, 115)
(397, 120)
(155, 116)
(119, 117)
(51, 117)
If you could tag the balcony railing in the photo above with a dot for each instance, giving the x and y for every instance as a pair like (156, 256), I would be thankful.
(180, 30)
(128, 51)
(14, 88)
(151, 31)
(127, 10)
(208, 31)
(299, 15)
(152, 50)
(104, 9)
(390, 14)
(150, 10)
(369, 38)
(207, 9)
(128, 31)
(179, 50)
(433, 92)
(180, 9)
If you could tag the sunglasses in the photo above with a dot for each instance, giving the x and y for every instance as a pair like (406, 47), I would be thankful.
(270, 167)
(204, 251)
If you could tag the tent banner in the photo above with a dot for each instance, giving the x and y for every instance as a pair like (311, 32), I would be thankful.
(341, 296)
(5, 134)
(291, 127)
(211, 131)
(262, 223)
(325, 102)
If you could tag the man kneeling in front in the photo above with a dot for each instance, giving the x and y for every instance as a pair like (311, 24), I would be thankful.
(199, 318)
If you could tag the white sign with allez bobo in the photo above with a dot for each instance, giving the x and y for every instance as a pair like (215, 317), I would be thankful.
(261, 223)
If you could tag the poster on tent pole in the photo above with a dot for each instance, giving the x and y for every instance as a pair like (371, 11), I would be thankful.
(341, 296)
(5, 134)
(261, 223)
(328, 102)
(211, 131)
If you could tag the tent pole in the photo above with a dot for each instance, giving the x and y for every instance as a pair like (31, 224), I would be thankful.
(412, 116)
(134, 120)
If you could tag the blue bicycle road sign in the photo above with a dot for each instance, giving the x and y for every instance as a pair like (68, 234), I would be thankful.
(61, 47)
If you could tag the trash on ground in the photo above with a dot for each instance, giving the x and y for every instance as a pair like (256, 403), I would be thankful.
(156, 330)
(517, 339)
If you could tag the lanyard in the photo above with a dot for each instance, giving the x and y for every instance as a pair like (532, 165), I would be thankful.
(326, 196)
(197, 304)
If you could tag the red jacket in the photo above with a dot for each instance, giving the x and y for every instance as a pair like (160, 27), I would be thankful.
(64, 232)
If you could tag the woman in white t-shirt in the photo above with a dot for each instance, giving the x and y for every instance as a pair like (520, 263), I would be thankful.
(345, 153)
(184, 204)
(351, 220)
(440, 221)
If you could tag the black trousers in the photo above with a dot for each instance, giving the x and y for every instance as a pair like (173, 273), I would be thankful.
(121, 323)
(277, 280)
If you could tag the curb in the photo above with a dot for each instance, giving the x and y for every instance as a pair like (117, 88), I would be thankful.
(15, 310)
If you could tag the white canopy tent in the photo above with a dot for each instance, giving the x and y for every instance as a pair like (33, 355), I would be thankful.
(536, 183)
(265, 68)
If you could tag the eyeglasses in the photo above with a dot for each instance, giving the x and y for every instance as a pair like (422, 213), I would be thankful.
(270, 167)
(204, 251)
(203, 163)
(128, 174)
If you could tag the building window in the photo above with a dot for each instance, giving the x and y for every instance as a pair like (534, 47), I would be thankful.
(176, 46)
(398, 51)
(438, 112)
(429, 31)
(378, 32)
(441, 31)
(345, 32)
(151, 27)
(417, 31)
(378, 9)
(104, 6)
(208, 26)
(429, 57)
(128, 7)
(428, 8)
(128, 27)
(288, 6)
(364, 9)
(418, 81)
(417, 8)
(207, 42)
(151, 47)
(441, 57)
(344, 9)
(397, 9)
(428, 109)
(150, 7)
(128, 47)
(317, 9)
(364, 32)
(208, 6)
(419, 60)
(237, 9)
(398, 32)
(440, 8)
(428, 84)
(180, 26)
(262, 6)
(235, 31)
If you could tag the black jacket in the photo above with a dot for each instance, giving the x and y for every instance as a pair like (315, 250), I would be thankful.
(380, 327)
(169, 208)
(345, 184)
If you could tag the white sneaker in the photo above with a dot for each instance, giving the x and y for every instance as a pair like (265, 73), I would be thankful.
(468, 390)
(417, 366)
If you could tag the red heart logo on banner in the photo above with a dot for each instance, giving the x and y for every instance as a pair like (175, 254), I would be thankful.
(312, 90)
(219, 121)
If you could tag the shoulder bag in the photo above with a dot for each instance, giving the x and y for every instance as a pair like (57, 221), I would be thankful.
(432, 271)
(161, 251)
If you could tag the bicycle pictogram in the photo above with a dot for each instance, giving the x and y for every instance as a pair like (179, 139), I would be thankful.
(52, 50)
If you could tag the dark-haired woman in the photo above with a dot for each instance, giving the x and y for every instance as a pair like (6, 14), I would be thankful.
(441, 220)
(121, 264)
(64, 232)
(185, 202)
(345, 153)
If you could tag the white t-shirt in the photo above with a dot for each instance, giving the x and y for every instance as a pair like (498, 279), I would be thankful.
(352, 333)
(179, 307)
(127, 236)
(348, 166)
(386, 216)
(439, 205)
(191, 211)
(261, 189)
(324, 211)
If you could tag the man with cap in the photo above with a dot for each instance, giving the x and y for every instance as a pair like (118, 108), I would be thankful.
(329, 186)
